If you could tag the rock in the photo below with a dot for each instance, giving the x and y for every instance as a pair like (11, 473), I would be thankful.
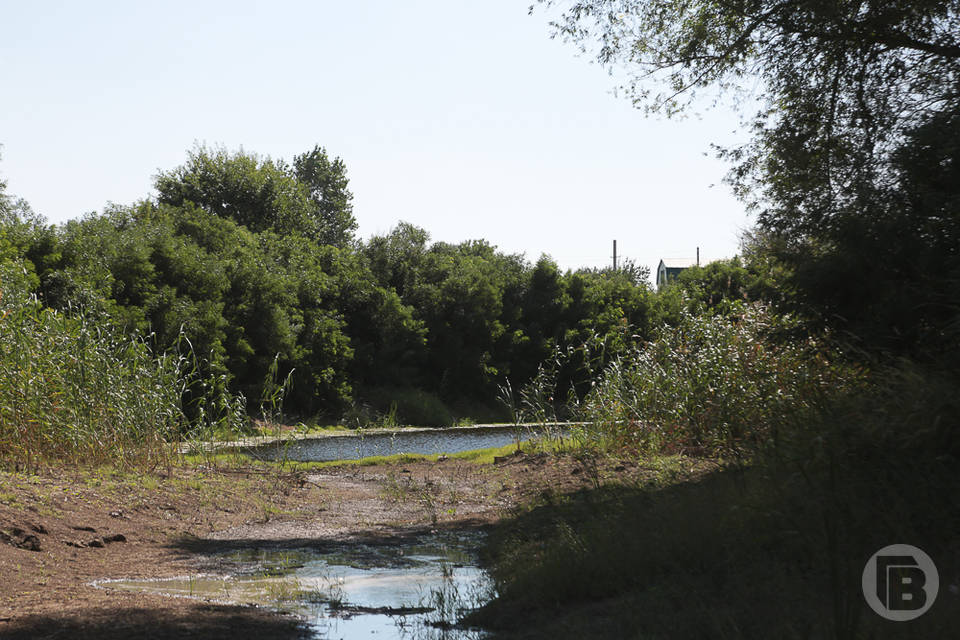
(96, 542)
(116, 537)
(78, 528)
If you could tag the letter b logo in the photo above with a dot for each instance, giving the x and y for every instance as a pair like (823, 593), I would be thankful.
(900, 582)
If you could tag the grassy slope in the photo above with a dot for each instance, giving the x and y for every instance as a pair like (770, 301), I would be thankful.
(733, 554)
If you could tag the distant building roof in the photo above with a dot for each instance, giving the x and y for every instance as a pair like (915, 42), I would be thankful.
(670, 268)
(679, 263)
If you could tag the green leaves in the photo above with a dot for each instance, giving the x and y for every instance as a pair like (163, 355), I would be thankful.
(311, 198)
(326, 181)
(849, 94)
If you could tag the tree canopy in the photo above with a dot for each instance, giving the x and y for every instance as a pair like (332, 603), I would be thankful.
(857, 107)
(310, 198)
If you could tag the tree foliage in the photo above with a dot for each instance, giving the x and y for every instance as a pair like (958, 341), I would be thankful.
(254, 263)
(311, 198)
(326, 182)
(857, 106)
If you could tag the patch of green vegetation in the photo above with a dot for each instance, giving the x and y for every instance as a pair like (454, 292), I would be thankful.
(9, 499)
(321, 429)
(775, 548)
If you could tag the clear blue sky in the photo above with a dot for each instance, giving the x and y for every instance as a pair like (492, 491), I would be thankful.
(464, 118)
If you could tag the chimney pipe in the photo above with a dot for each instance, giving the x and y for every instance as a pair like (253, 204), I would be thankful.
(698, 256)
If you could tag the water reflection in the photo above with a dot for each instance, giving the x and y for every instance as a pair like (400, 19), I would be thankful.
(418, 590)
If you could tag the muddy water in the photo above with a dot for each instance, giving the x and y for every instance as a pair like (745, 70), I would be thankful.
(418, 590)
(426, 441)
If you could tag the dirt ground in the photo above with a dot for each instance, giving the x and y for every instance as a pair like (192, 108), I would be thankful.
(61, 530)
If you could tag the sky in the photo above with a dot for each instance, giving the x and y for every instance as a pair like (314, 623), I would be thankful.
(464, 118)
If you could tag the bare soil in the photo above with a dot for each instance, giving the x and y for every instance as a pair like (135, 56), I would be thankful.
(62, 530)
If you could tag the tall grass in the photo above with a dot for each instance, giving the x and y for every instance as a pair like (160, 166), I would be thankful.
(73, 389)
(712, 383)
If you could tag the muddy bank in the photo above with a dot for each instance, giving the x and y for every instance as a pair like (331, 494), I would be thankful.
(168, 521)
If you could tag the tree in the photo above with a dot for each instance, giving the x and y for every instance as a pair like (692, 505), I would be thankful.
(311, 198)
(397, 257)
(846, 88)
(253, 191)
(327, 183)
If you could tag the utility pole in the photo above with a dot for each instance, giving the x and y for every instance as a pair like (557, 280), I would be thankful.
(614, 255)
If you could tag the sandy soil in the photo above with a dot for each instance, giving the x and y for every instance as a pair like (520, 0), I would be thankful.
(60, 531)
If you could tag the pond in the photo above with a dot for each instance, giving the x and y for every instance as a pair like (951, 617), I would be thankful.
(423, 441)
(416, 590)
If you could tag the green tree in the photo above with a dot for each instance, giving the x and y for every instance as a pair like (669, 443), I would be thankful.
(24, 234)
(310, 198)
(396, 259)
(327, 183)
(725, 285)
(847, 89)
(256, 192)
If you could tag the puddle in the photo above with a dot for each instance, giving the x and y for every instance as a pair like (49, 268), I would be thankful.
(424, 441)
(417, 590)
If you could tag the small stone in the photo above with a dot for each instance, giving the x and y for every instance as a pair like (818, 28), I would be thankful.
(96, 542)
(116, 537)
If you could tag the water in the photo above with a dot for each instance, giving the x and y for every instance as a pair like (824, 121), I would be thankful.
(425, 441)
(417, 590)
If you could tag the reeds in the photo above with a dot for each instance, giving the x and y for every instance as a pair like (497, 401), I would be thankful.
(73, 389)
(712, 383)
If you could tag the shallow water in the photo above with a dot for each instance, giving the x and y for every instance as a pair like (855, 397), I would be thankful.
(357, 591)
(353, 447)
